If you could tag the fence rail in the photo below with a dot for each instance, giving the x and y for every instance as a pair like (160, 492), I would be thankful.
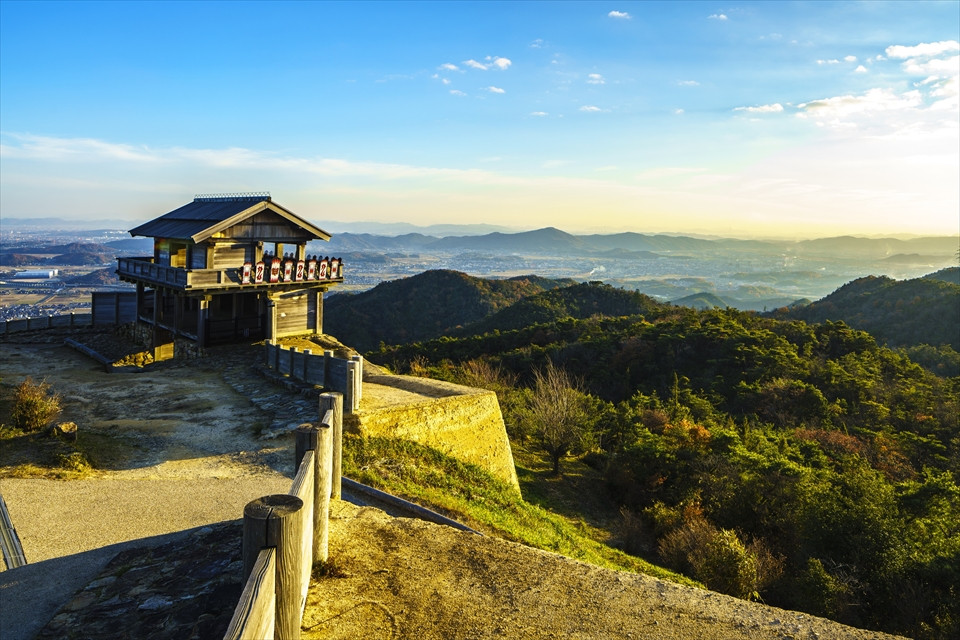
(339, 374)
(48, 322)
(285, 534)
(10, 545)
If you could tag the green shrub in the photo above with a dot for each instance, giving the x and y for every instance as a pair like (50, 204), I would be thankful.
(33, 405)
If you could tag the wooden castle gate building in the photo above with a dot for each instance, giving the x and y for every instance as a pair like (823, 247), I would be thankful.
(229, 268)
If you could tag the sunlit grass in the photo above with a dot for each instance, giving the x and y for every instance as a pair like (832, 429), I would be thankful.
(473, 496)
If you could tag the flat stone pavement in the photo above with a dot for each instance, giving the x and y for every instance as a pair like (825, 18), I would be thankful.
(85, 523)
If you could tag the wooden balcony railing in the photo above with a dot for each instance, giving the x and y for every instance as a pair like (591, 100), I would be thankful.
(146, 271)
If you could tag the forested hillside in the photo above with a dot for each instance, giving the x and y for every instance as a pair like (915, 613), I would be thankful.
(896, 312)
(804, 465)
(423, 306)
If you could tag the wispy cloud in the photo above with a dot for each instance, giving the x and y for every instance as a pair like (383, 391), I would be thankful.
(831, 61)
(539, 114)
(718, 16)
(619, 15)
(589, 108)
(850, 58)
(595, 78)
(457, 92)
(473, 64)
(688, 83)
(449, 66)
(765, 108)
(492, 89)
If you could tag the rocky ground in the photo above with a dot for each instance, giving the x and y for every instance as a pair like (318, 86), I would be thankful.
(216, 421)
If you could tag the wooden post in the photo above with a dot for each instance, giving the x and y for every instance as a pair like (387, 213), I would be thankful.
(327, 357)
(275, 521)
(324, 461)
(333, 400)
(307, 354)
(305, 487)
(203, 314)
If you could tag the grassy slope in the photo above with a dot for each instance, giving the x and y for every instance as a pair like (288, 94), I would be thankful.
(547, 520)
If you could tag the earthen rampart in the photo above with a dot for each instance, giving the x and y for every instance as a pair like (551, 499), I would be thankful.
(463, 422)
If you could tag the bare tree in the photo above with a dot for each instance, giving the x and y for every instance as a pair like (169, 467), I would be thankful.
(557, 411)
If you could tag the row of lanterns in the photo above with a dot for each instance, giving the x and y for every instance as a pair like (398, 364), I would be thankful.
(273, 269)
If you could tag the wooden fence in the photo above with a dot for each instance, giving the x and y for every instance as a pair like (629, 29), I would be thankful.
(338, 374)
(106, 307)
(285, 534)
(10, 545)
(48, 322)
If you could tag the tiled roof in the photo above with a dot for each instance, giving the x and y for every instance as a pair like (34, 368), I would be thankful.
(207, 215)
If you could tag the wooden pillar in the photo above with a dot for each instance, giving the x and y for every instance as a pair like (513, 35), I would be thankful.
(203, 313)
(271, 320)
(139, 306)
(274, 521)
(178, 316)
(155, 332)
(318, 319)
(333, 400)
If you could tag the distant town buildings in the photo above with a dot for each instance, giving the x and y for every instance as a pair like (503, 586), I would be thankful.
(37, 274)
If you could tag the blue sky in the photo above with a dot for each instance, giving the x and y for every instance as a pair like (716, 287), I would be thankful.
(739, 119)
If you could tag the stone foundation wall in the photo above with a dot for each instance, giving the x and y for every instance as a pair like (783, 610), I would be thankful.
(462, 422)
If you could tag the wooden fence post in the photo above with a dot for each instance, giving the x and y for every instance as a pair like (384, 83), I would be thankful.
(275, 521)
(327, 357)
(316, 438)
(307, 354)
(333, 400)
(324, 459)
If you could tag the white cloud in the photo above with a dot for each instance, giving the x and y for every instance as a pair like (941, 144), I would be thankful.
(837, 109)
(688, 83)
(489, 62)
(619, 15)
(595, 78)
(923, 50)
(495, 90)
(765, 108)
(860, 69)
(850, 59)
(537, 44)
(457, 92)
(540, 114)
(832, 61)
(449, 66)
(590, 108)
(717, 16)
(941, 68)
(678, 112)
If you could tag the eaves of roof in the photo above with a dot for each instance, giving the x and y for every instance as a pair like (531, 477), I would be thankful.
(201, 219)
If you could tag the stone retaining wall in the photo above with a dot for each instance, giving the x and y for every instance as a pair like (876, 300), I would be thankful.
(462, 422)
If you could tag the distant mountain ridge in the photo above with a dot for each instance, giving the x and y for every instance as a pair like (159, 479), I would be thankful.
(553, 241)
